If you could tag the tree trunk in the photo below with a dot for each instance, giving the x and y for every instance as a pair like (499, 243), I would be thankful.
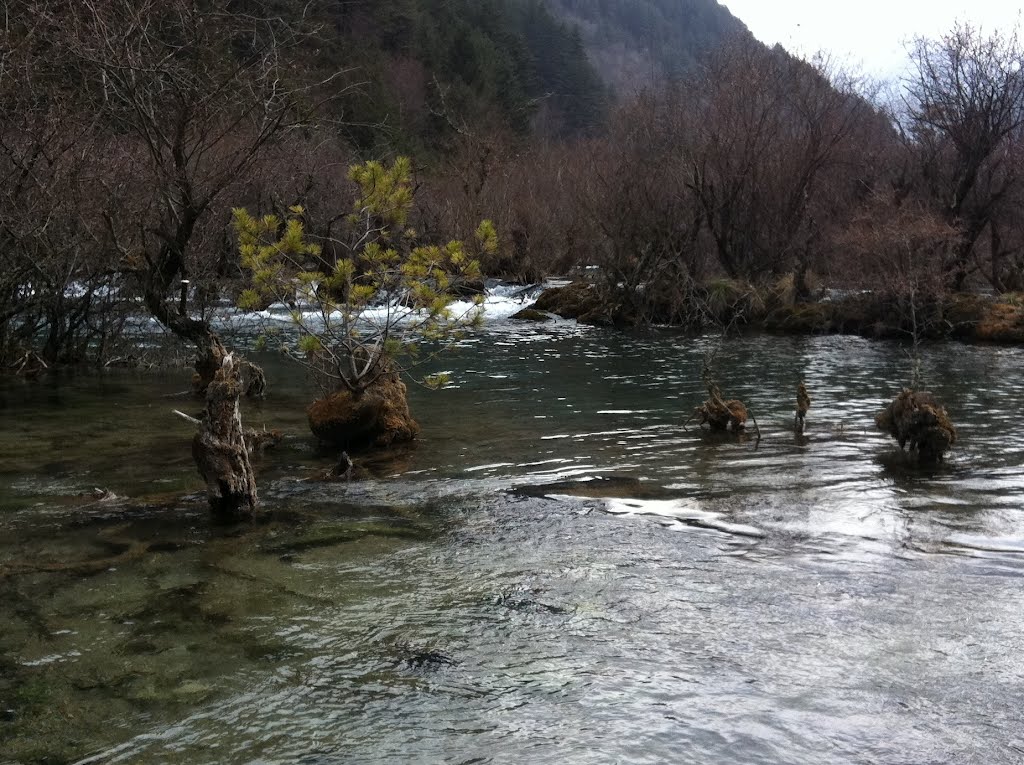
(801, 289)
(209, 360)
(219, 447)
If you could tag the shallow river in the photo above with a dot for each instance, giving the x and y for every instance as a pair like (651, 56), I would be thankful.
(792, 600)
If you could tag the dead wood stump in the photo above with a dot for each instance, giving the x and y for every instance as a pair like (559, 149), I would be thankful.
(917, 420)
(209, 360)
(719, 414)
(220, 450)
(256, 387)
(803, 403)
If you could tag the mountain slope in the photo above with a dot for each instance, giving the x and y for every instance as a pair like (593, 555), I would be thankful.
(429, 65)
(634, 42)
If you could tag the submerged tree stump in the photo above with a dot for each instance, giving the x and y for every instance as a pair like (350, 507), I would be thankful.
(803, 403)
(347, 470)
(219, 448)
(256, 387)
(917, 420)
(377, 417)
(719, 414)
(209, 360)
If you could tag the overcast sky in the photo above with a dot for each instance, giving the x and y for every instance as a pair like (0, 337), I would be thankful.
(869, 33)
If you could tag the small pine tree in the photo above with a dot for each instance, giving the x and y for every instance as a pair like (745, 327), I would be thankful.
(369, 313)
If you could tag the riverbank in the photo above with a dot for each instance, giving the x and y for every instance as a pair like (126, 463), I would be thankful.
(969, 317)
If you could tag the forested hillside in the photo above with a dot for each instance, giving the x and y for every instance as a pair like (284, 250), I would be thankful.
(133, 127)
(542, 66)
(633, 42)
(427, 67)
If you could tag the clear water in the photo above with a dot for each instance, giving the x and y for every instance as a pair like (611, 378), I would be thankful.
(796, 600)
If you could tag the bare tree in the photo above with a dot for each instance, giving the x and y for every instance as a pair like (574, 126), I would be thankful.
(891, 250)
(58, 297)
(649, 220)
(767, 126)
(964, 113)
(191, 94)
(183, 97)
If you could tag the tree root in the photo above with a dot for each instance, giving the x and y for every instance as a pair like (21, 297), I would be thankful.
(347, 470)
(719, 414)
(29, 365)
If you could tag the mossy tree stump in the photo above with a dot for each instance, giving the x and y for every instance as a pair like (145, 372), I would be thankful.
(719, 414)
(571, 301)
(374, 418)
(920, 424)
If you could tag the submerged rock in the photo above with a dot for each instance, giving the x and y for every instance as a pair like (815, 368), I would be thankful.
(532, 314)
(917, 420)
(425, 659)
(601, 486)
(572, 301)
(376, 418)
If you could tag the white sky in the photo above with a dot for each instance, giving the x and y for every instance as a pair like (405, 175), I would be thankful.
(869, 34)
